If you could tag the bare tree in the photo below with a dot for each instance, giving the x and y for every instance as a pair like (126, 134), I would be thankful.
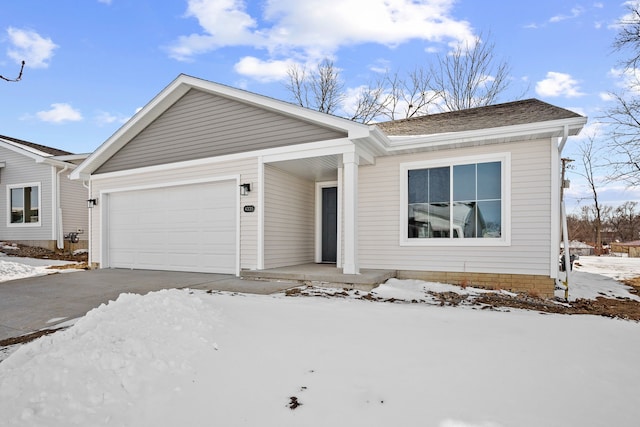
(320, 89)
(625, 221)
(471, 76)
(624, 117)
(624, 124)
(628, 37)
(17, 79)
(590, 153)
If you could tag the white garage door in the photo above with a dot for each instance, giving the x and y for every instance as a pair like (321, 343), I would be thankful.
(181, 228)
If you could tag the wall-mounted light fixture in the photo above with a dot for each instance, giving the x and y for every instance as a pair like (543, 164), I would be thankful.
(92, 202)
(245, 189)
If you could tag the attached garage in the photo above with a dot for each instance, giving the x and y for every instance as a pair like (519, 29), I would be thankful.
(175, 228)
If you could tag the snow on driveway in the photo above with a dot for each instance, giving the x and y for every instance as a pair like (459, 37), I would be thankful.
(180, 357)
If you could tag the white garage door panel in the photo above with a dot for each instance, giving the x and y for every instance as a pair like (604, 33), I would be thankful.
(182, 228)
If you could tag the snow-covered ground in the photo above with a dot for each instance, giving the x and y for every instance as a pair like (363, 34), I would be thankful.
(181, 357)
(12, 268)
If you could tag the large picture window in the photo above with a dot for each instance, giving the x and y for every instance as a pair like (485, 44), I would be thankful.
(24, 203)
(454, 201)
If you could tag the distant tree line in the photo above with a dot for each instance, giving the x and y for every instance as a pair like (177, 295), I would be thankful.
(620, 224)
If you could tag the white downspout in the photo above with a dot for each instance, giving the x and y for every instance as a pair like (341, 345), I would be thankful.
(563, 223)
(90, 224)
(59, 231)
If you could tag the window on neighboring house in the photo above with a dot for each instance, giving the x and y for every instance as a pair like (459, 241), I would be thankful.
(25, 204)
(455, 201)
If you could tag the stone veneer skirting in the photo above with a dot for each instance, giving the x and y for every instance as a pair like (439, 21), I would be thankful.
(535, 285)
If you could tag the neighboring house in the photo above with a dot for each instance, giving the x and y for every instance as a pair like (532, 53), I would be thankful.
(579, 248)
(39, 204)
(469, 196)
(630, 248)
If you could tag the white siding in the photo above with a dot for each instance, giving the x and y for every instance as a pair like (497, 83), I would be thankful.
(379, 216)
(73, 198)
(289, 219)
(201, 125)
(247, 170)
(20, 169)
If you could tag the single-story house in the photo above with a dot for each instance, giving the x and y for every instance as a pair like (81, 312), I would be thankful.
(212, 178)
(41, 206)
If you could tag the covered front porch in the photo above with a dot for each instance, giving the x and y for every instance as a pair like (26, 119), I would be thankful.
(309, 200)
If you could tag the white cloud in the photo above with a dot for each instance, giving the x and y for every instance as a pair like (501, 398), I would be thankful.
(627, 79)
(60, 113)
(30, 47)
(313, 29)
(558, 84)
(105, 1)
(575, 12)
(105, 118)
(606, 96)
(264, 71)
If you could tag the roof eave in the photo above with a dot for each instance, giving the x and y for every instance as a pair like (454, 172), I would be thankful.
(553, 128)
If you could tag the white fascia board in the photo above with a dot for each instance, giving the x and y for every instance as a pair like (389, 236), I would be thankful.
(71, 157)
(550, 128)
(57, 163)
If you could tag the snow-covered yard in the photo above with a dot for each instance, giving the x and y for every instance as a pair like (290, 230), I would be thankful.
(193, 358)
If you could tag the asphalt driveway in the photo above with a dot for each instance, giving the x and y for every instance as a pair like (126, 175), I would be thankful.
(28, 305)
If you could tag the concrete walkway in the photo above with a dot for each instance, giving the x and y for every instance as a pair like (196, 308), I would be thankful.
(28, 305)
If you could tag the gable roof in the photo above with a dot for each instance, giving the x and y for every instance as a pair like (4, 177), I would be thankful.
(31, 146)
(492, 116)
(183, 84)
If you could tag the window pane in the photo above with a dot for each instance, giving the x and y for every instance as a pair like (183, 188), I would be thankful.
(489, 180)
(490, 219)
(31, 208)
(464, 220)
(439, 187)
(464, 182)
(419, 186)
(439, 223)
(17, 205)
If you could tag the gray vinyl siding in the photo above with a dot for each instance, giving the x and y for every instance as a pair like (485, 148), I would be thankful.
(21, 169)
(201, 125)
(529, 252)
(247, 169)
(73, 200)
(289, 219)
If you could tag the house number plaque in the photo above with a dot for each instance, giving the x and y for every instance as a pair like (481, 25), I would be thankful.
(249, 208)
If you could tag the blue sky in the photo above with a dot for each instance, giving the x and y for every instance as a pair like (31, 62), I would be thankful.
(92, 64)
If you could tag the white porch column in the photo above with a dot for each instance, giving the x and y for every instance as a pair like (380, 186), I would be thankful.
(350, 212)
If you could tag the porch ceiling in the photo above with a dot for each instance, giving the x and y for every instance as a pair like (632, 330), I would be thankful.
(323, 168)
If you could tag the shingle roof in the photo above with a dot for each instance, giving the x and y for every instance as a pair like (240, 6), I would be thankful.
(492, 116)
(43, 148)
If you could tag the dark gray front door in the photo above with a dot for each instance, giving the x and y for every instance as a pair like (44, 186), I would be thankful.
(329, 223)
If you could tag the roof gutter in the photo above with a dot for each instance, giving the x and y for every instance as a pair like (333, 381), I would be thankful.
(563, 127)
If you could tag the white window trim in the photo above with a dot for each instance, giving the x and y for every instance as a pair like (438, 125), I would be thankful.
(504, 240)
(24, 224)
